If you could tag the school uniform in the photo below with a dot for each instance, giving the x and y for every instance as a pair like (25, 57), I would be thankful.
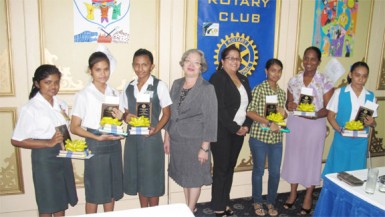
(53, 177)
(103, 178)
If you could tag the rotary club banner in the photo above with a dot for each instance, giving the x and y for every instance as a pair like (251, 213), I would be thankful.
(101, 21)
(249, 24)
(335, 27)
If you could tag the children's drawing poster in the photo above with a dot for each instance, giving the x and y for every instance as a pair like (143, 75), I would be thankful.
(335, 27)
(101, 21)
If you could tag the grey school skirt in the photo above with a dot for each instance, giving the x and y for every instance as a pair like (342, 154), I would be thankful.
(103, 173)
(53, 179)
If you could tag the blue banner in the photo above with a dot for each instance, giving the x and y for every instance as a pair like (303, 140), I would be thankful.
(249, 24)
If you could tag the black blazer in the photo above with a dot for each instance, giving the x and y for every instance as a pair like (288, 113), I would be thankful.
(229, 99)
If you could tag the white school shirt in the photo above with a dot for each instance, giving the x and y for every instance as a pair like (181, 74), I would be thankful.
(162, 90)
(240, 116)
(38, 119)
(356, 101)
(88, 105)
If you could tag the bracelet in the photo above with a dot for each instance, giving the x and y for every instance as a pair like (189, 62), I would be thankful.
(269, 124)
(205, 150)
(341, 130)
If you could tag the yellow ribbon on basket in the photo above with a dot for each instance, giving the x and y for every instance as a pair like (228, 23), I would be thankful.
(306, 107)
(76, 145)
(109, 120)
(139, 122)
(354, 125)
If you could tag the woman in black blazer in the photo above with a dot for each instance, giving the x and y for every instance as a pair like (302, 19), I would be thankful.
(233, 94)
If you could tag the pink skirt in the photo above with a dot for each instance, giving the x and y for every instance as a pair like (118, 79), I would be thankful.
(303, 152)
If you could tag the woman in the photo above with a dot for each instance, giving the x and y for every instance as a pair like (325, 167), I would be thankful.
(305, 142)
(266, 143)
(103, 172)
(347, 153)
(53, 177)
(233, 94)
(192, 126)
(144, 155)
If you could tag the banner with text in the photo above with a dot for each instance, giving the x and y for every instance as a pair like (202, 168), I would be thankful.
(249, 24)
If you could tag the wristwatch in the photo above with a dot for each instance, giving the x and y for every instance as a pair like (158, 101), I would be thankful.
(269, 124)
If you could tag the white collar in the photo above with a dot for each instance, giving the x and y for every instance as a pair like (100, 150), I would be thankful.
(349, 88)
(150, 80)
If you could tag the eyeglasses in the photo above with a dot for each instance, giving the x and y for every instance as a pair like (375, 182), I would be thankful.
(233, 59)
(192, 62)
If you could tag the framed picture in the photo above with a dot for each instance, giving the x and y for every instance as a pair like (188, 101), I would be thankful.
(59, 48)
(376, 140)
(6, 74)
(308, 23)
(11, 176)
(381, 75)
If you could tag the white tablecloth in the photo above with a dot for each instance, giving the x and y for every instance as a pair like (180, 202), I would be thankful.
(377, 199)
(171, 210)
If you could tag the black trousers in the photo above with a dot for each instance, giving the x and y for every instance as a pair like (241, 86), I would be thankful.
(225, 154)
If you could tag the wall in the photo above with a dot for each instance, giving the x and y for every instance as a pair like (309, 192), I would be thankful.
(39, 33)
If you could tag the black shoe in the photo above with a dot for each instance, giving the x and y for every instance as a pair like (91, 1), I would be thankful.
(289, 205)
(305, 211)
(229, 212)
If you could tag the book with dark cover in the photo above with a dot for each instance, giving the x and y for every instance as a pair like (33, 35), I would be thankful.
(363, 113)
(65, 132)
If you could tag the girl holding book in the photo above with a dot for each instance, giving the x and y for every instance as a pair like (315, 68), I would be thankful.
(266, 143)
(103, 173)
(53, 177)
(347, 153)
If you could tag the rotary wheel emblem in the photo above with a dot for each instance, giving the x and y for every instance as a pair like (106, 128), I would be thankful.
(249, 52)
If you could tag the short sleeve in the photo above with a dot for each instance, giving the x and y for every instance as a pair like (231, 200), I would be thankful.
(333, 102)
(21, 131)
(163, 94)
(79, 107)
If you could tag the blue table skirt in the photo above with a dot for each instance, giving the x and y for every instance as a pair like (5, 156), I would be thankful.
(336, 201)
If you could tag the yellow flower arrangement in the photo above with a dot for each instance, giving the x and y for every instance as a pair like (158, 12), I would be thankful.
(139, 122)
(354, 125)
(305, 107)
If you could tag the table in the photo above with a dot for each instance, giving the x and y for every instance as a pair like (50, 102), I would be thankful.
(171, 210)
(340, 199)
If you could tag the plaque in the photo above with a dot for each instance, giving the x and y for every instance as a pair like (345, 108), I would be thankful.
(362, 113)
(270, 108)
(107, 110)
(143, 109)
(305, 99)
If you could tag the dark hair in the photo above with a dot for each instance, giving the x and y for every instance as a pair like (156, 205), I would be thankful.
(273, 61)
(356, 65)
(97, 57)
(41, 73)
(316, 50)
(226, 52)
(143, 52)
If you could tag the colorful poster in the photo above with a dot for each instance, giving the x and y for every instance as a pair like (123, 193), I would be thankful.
(101, 21)
(250, 25)
(335, 27)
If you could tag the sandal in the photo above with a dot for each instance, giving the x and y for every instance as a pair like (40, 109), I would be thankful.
(287, 205)
(271, 210)
(229, 212)
(305, 211)
(259, 211)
